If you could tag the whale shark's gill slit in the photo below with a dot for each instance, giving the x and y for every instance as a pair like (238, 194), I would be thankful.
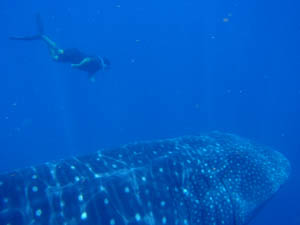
(234, 222)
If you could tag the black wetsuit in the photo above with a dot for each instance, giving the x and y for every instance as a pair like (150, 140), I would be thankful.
(74, 56)
(71, 55)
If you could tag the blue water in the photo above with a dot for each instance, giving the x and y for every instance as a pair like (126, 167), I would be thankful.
(178, 67)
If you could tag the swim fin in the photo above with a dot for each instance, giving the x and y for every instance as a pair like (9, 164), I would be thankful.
(39, 24)
(40, 31)
(26, 38)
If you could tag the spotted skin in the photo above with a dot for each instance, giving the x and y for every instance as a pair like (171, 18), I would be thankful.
(217, 179)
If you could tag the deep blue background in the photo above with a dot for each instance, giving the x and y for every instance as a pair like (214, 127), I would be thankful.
(177, 68)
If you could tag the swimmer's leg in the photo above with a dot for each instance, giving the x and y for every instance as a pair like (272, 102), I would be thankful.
(53, 49)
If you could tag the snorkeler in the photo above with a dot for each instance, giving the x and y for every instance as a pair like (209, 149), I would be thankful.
(77, 59)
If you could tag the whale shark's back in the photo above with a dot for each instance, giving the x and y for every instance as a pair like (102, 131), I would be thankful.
(205, 180)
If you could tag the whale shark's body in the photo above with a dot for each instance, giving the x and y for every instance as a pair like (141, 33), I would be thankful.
(217, 179)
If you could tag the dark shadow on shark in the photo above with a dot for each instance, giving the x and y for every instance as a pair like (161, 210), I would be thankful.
(216, 179)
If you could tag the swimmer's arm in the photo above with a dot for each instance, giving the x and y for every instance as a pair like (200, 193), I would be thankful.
(82, 63)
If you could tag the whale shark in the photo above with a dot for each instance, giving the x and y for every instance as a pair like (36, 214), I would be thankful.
(211, 179)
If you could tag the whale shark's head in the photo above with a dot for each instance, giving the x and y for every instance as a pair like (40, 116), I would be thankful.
(233, 178)
(252, 175)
